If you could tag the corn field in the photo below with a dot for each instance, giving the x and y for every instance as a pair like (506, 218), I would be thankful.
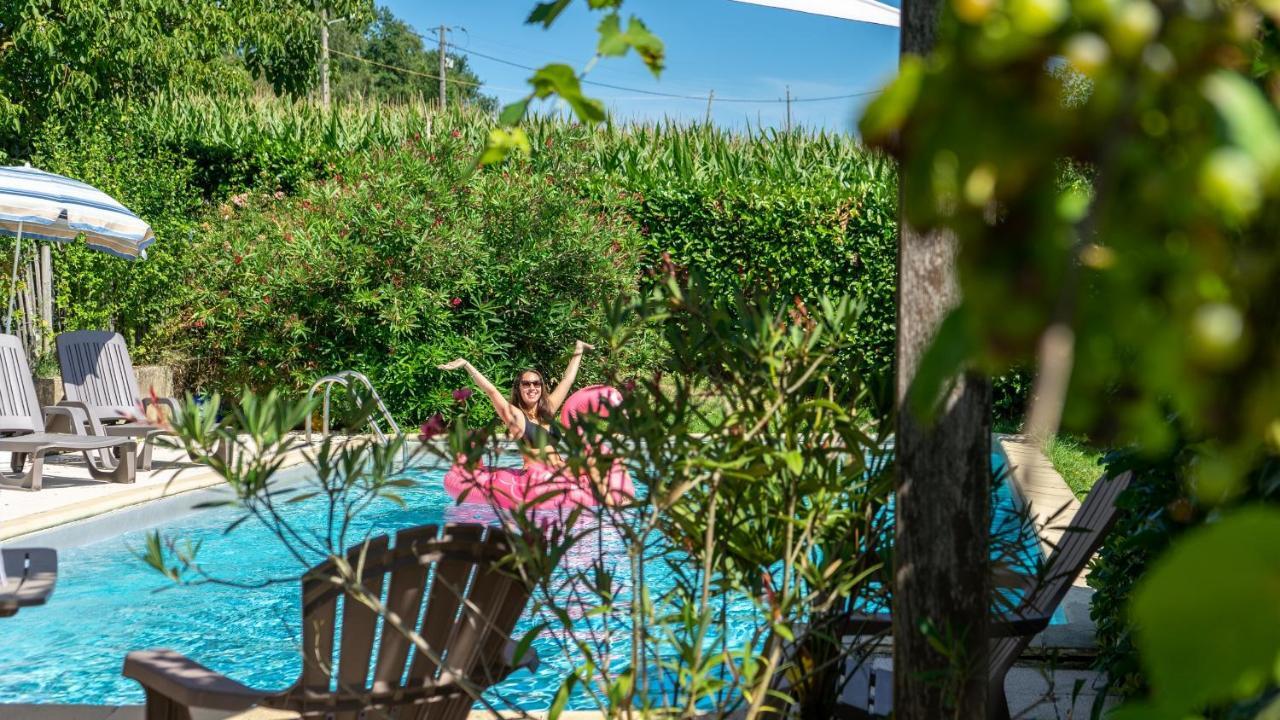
(234, 126)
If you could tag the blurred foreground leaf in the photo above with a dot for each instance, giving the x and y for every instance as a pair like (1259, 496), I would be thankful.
(1208, 615)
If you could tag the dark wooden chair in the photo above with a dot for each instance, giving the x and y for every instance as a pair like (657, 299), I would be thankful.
(27, 577)
(869, 691)
(444, 582)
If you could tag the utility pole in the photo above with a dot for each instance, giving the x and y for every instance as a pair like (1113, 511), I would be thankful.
(788, 108)
(324, 58)
(443, 48)
(710, 96)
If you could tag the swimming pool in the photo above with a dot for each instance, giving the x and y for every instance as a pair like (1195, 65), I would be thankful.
(108, 603)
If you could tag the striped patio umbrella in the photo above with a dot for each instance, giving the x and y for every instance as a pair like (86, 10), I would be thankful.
(44, 206)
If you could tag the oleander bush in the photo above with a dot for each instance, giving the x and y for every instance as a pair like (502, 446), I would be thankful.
(405, 259)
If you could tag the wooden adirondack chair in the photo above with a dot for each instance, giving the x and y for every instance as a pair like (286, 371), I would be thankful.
(869, 692)
(97, 377)
(448, 577)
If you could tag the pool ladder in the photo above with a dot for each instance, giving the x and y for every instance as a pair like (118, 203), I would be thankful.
(344, 378)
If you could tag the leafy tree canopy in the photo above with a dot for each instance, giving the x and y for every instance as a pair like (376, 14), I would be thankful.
(57, 58)
(385, 59)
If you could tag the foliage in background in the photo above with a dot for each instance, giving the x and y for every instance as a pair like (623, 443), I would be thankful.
(1078, 462)
(269, 181)
(61, 59)
(392, 43)
(93, 290)
(400, 261)
(789, 215)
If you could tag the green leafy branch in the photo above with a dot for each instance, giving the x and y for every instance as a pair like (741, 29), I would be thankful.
(560, 80)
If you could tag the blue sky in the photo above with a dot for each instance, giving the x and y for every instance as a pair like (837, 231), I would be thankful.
(743, 52)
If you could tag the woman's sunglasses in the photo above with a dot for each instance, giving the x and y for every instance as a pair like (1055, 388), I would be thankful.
(530, 383)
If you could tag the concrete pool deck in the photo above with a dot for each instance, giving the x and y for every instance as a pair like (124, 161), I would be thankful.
(70, 494)
(1050, 501)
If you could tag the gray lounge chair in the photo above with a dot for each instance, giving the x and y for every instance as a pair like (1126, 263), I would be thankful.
(466, 620)
(22, 418)
(97, 377)
(869, 692)
(27, 577)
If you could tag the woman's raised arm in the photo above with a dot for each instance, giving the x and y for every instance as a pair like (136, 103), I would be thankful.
(506, 413)
(557, 396)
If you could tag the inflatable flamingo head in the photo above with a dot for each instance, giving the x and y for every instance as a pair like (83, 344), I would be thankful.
(593, 400)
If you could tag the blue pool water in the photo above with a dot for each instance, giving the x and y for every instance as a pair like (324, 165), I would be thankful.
(108, 603)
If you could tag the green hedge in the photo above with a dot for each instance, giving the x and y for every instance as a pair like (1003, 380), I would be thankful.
(293, 243)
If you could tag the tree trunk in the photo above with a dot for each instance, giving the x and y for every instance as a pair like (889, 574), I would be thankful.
(944, 476)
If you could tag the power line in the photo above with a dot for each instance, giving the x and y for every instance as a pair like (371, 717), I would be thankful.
(674, 96)
(419, 73)
(653, 93)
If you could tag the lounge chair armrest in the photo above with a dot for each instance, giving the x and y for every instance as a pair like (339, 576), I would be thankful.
(187, 682)
(76, 418)
(79, 408)
(1010, 625)
(529, 660)
(875, 624)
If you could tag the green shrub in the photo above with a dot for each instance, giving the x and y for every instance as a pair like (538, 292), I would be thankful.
(94, 290)
(402, 260)
(1157, 508)
(785, 242)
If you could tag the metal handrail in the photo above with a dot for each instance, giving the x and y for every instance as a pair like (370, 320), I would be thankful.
(343, 378)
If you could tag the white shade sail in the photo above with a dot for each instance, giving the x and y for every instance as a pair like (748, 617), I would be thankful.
(868, 11)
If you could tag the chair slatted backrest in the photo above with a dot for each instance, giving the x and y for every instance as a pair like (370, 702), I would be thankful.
(1080, 540)
(442, 582)
(97, 371)
(19, 410)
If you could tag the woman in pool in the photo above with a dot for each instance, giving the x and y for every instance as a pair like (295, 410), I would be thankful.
(530, 412)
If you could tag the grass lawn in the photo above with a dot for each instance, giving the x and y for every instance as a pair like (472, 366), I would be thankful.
(1076, 461)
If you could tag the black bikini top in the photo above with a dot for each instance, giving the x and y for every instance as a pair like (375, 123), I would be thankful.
(538, 437)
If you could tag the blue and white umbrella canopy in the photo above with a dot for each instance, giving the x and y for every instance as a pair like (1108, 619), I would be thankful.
(44, 206)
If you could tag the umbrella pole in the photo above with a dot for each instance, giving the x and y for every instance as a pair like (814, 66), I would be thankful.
(13, 281)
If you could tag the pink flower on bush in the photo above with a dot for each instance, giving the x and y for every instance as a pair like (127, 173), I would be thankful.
(240, 200)
(431, 428)
(455, 134)
(456, 302)
(461, 394)
(279, 195)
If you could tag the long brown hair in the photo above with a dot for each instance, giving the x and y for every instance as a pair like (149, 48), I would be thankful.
(543, 411)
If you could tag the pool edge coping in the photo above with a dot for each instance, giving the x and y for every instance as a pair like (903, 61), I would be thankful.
(199, 479)
(1041, 489)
